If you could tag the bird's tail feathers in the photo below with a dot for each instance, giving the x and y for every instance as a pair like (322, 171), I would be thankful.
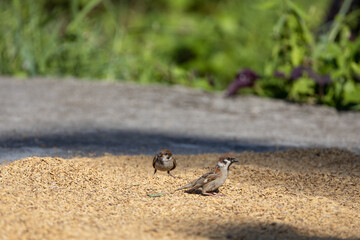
(184, 187)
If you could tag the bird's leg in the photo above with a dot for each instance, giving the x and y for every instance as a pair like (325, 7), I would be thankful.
(207, 193)
(154, 172)
(213, 194)
(171, 174)
(217, 194)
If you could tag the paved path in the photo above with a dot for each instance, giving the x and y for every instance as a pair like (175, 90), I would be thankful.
(68, 117)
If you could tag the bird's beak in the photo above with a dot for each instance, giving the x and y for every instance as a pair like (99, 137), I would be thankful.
(234, 160)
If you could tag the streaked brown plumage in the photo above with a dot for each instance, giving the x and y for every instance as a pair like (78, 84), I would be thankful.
(211, 181)
(164, 161)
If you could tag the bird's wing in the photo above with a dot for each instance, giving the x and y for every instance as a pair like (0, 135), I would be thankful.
(154, 160)
(208, 177)
(174, 164)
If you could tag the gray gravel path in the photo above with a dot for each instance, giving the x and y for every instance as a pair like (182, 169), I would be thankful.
(72, 117)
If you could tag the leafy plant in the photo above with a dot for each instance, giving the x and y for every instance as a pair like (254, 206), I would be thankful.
(305, 67)
(198, 44)
(194, 43)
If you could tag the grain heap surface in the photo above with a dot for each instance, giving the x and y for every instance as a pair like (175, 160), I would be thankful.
(294, 194)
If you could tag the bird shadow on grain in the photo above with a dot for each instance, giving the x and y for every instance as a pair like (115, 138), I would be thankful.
(254, 231)
(198, 192)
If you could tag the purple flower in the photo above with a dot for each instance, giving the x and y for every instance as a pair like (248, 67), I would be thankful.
(297, 72)
(322, 80)
(244, 78)
(279, 74)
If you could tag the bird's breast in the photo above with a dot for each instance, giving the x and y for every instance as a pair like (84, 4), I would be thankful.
(164, 165)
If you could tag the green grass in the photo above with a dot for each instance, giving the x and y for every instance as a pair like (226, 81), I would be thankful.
(195, 43)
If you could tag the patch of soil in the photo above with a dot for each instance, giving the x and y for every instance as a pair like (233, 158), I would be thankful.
(294, 194)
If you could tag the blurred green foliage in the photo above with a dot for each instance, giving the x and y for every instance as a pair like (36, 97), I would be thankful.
(327, 63)
(194, 43)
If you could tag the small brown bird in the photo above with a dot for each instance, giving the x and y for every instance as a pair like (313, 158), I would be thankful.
(210, 182)
(164, 161)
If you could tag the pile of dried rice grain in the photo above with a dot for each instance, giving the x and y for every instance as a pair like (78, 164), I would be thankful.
(294, 194)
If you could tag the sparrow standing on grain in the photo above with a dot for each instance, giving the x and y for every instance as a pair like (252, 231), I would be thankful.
(164, 161)
(210, 182)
